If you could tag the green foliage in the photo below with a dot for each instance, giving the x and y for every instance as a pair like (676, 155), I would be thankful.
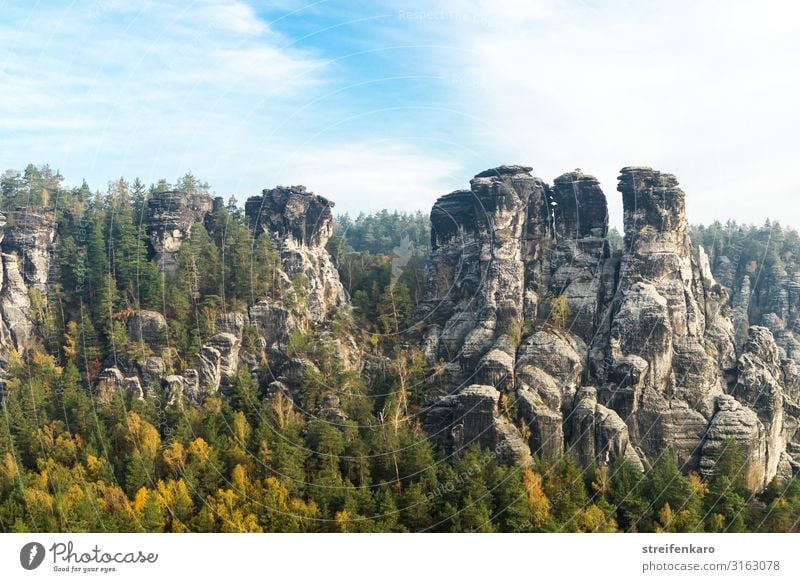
(559, 311)
(348, 456)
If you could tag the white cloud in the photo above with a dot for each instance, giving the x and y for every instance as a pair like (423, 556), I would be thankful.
(371, 176)
(234, 16)
(140, 86)
(703, 89)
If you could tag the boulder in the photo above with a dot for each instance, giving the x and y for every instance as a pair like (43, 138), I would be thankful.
(108, 384)
(471, 417)
(149, 327)
(737, 423)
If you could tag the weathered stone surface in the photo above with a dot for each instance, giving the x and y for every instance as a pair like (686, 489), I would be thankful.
(292, 213)
(27, 237)
(17, 327)
(476, 281)
(133, 387)
(343, 350)
(273, 321)
(170, 218)
(218, 364)
(557, 353)
(108, 384)
(544, 419)
(301, 223)
(30, 234)
(173, 390)
(572, 267)
(151, 370)
(309, 294)
(472, 417)
(191, 387)
(210, 369)
(502, 251)
(597, 434)
(759, 386)
(149, 327)
(228, 346)
(232, 323)
(669, 348)
(737, 423)
(660, 329)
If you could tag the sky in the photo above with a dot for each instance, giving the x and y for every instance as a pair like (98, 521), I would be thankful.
(390, 104)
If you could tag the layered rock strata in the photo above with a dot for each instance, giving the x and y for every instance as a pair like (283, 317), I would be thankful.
(629, 357)
(171, 215)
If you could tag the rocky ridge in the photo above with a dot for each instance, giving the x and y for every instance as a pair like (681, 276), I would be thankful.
(629, 356)
(27, 239)
(171, 215)
(538, 339)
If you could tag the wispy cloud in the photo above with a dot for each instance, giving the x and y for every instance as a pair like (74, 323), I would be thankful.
(132, 79)
(234, 16)
(391, 104)
(699, 88)
(370, 176)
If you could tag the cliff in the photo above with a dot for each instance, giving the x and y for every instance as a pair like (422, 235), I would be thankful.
(631, 356)
(537, 340)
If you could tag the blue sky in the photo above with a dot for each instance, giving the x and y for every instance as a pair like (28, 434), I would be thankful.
(391, 104)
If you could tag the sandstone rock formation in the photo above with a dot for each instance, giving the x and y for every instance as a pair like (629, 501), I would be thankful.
(111, 382)
(300, 223)
(30, 234)
(27, 236)
(219, 361)
(471, 417)
(525, 300)
(149, 327)
(736, 423)
(15, 305)
(170, 218)
(572, 267)
(538, 339)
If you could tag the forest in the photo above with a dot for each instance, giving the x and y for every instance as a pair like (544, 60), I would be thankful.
(244, 462)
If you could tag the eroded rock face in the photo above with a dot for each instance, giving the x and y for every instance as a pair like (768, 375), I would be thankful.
(27, 236)
(525, 302)
(16, 327)
(173, 386)
(670, 315)
(572, 267)
(476, 284)
(502, 253)
(111, 382)
(30, 234)
(149, 327)
(597, 434)
(151, 370)
(301, 223)
(759, 386)
(471, 417)
(219, 362)
(734, 422)
(273, 322)
(171, 215)
(232, 323)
